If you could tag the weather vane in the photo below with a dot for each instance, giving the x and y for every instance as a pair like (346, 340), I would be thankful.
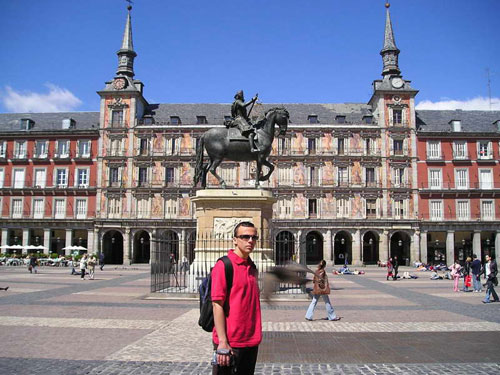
(129, 4)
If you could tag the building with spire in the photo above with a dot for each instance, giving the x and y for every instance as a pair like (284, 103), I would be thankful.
(351, 179)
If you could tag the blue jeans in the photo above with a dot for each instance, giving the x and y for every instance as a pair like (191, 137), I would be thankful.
(476, 282)
(490, 291)
(329, 308)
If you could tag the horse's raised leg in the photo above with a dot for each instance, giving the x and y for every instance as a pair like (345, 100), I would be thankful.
(258, 172)
(213, 166)
(269, 165)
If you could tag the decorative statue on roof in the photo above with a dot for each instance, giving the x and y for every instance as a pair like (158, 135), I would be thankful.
(238, 141)
(241, 118)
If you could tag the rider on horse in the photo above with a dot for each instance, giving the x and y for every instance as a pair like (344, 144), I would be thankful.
(241, 120)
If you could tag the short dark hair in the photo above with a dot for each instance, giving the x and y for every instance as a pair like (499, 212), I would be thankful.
(245, 224)
(474, 256)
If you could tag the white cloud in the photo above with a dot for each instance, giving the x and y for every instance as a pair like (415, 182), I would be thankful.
(479, 103)
(56, 100)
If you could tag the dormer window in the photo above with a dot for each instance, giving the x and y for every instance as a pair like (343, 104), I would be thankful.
(147, 121)
(368, 119)
(497, 123)
(456, 125)
(68, 123)
(27, 124)
(313, 119)
(201, 120)
(175, 120)
(340, 119)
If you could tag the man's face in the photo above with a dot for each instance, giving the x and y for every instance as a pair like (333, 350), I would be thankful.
(244, 246)
(487, 258)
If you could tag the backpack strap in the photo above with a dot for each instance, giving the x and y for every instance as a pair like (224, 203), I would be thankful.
(228, 268)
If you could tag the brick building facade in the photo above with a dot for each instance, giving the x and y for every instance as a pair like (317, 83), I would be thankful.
(354, 182)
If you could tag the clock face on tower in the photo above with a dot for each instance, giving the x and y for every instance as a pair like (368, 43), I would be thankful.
(397, 82)
(119, 83)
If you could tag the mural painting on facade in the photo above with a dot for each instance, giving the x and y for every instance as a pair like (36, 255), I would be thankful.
(356, 174)
(299, 174)
(357, 205)
(157, 143)
(299, 205)
(327, 143)
(298, 144)
(125, 175)
(184, 205)
(156, 209)
(186, 143)
(328, 206)
(355, 143)
(328, 173)
(157, 174)
(186, 177)
(106, 145)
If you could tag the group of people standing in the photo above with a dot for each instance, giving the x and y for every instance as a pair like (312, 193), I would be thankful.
(473, 270)
(392, 268)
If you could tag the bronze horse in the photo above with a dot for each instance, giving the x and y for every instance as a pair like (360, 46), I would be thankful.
(218, 146)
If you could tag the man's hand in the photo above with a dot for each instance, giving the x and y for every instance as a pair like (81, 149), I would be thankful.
(224, 359)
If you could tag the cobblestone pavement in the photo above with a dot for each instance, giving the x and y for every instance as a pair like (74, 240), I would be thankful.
(54, 323)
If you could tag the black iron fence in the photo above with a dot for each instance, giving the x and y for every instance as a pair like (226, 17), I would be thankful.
(179, 266)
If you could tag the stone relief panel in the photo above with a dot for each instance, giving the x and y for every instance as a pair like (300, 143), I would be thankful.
(224, 226)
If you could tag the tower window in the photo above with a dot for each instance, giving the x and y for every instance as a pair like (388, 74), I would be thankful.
(117, 118)
(397, 116)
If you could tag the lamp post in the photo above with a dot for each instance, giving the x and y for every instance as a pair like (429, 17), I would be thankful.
(488, 246)
(37, 240)
(58, 240)
(142, 248)
(370, 242)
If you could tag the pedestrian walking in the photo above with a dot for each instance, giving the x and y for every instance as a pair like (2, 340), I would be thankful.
(466, 273)
(237, 317)
(92, 262)
(455, 274)
(476, 273)
(83, 266)
(389, 268)
(321, 288)
(101, 260)
(395, 266)
(490, 272)
(184, 264)
(32, 266)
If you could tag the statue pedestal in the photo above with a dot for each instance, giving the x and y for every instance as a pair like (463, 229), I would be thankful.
(218, 211)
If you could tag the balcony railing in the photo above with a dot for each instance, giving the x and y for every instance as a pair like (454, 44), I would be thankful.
(467, 186)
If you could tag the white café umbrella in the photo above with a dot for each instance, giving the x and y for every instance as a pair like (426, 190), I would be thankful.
(36, 248)
(12, 247)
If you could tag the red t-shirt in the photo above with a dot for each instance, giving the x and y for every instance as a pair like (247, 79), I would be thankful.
(243, 324)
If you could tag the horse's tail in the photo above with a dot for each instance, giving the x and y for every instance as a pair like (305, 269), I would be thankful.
(198, 171)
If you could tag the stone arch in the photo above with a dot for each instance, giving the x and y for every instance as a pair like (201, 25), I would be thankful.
(170, 244)
(112, 247)
(342, 248)
(285, 247)
(314, 247)
(142, 247)
(370, 254)
(400, 247)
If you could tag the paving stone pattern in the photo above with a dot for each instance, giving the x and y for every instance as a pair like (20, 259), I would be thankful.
(54, 323)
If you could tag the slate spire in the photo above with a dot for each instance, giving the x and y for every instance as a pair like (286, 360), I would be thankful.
(126, 54)
(389, 52)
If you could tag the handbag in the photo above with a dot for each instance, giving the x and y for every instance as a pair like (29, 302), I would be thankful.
(468, 281)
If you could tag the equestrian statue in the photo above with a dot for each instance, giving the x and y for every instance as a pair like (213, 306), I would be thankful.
(240, 140)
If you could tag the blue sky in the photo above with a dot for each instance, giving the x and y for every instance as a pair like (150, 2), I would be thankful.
(57, 53)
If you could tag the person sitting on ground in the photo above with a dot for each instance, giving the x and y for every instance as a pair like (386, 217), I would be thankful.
(436, 276)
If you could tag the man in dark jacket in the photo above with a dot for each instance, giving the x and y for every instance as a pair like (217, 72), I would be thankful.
(491, 271)
(476, 273)
(466, 273)
(395, 265)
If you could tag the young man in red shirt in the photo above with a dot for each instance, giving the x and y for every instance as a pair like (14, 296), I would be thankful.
(238, 331)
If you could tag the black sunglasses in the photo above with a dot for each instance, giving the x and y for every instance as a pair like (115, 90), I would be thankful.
(247, 237)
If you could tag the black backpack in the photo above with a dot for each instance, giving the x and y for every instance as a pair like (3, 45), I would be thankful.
(206, 320)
